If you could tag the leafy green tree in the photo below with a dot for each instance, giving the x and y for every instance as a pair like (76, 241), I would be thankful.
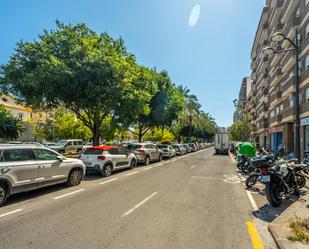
(10, 126)
(91, 74)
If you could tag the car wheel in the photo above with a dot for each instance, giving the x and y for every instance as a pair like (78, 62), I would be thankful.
(133, 164)
(79, 151)
(107, 170)
(147, 160)
(75, 177)
(3, 193)
(61, 152)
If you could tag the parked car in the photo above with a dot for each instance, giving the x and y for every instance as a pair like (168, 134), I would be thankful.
(106, 159)
(68, 146)
(34, 144)
(89, 145)
(180, 149)
(168, 150)
(49, 144)
(193, 147)
(188, 148)
(27, 167)
(145, 152)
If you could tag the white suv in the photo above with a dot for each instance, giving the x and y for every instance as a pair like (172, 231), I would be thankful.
(106, 159)
(28, 167)
(68, 146)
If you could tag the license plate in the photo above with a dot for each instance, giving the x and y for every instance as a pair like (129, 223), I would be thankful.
(265, 178)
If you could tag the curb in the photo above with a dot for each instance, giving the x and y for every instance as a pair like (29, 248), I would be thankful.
(277, 232)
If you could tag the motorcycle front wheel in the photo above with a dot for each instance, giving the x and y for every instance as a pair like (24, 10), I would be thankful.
(273, 191)
(251, 180)
(301, 181)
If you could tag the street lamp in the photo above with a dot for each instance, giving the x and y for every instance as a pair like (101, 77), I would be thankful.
(279, 37)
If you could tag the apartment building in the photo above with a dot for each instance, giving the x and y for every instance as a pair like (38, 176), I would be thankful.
(271, 99)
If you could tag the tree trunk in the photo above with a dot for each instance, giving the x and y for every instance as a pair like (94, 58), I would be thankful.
(190, 129)
(140, 134)
(96, 134)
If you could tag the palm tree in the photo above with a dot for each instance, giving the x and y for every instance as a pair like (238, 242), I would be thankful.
(10, 127)
(192, 106)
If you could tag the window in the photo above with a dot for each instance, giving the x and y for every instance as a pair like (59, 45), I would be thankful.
(18, 155)
(80, 142)
(42, 154)
(307, 62)
(297, 14)
(69, 143)
(307, 94)
(122, 151)
(75, 142)
(291, 101)
(113, 151)
(306, 2)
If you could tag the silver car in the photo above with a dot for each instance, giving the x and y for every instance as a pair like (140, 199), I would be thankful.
(168, 150)
(27, 167)
(68, 146)
(145, 152)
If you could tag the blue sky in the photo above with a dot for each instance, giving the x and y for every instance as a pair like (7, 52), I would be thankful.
(210, 57)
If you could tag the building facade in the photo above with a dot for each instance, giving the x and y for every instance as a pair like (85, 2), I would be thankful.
(271, 98)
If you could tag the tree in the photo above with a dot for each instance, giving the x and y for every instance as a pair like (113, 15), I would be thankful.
(242, 128)
(10, 126)
(91, 74)
(164, 107)
(191, 106)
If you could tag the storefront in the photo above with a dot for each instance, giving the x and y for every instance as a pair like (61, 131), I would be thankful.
(276, 142)
(263, 139)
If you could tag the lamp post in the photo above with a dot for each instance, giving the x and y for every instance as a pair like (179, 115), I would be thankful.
(279, 37)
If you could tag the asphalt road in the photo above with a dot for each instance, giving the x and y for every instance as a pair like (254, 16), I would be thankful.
(195, 201)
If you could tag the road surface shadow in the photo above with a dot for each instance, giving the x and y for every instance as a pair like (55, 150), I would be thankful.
(26, 196)
(268, 213)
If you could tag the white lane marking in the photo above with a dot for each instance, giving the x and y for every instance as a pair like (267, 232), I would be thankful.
(68, 194)
(133, 173)
(11, 212)
(252, 201)
(111, 180)
(193, 166)
(148, 168)
(139, 204)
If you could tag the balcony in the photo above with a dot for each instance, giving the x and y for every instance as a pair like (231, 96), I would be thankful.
(265, 91)
(276, 76)
(276, 11)
(275, 120)
(287, 61)
(288, 87)
(288, 10)
(276, 97)
(288, 114)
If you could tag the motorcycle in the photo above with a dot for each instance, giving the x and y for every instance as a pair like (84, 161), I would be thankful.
(244, 165)
(282, 180)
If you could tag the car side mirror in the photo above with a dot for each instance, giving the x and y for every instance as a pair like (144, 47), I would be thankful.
(60, 158)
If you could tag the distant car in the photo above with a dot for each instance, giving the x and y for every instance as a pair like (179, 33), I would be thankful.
(34, 144)
(49, 144)
(68, 146)
(106, 159)
(188, 148)
(89, 145)
(168, 150)
(193, 146)
(180, 149)
(145, 152)
(28, 167)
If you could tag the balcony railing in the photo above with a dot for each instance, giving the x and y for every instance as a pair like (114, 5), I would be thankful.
(276, 96)
(288, 112)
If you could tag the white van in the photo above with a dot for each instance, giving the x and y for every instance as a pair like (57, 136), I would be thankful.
(222, 142)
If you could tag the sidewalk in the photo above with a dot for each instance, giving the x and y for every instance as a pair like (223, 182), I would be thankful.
(279, 228)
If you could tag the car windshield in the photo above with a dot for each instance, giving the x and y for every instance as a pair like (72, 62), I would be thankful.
(61, 142)
(133, 146)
